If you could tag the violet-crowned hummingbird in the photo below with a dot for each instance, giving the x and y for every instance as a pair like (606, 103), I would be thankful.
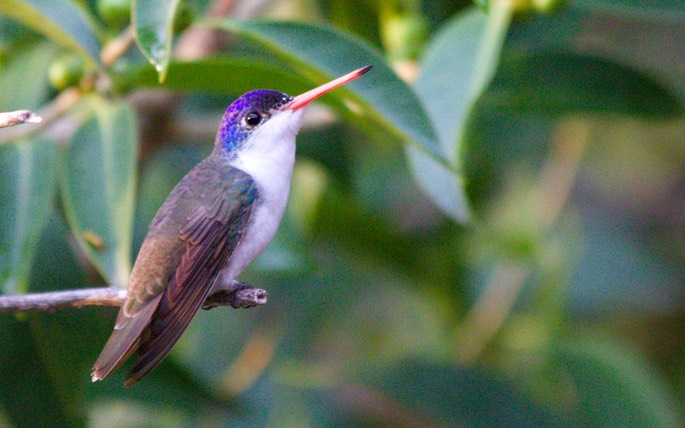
(215, 222)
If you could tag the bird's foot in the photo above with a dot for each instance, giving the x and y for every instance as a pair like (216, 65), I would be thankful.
(241, 295)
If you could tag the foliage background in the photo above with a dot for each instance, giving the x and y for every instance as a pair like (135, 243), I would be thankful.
(553, 297)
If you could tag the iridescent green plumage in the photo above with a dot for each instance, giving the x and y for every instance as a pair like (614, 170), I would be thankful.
(189, 241)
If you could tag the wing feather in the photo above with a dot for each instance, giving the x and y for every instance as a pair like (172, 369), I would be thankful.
(210, 236)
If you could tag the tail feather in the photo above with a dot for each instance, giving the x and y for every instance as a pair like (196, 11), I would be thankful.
(123, 341)
(169, 323)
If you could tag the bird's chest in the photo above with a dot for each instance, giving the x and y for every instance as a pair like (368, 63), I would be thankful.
(272, 174)
(267, 213)
(261, 227)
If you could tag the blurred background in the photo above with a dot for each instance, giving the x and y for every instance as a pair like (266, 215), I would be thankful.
(487, 229)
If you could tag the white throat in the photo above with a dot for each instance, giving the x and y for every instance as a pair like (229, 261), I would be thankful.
(269, 154)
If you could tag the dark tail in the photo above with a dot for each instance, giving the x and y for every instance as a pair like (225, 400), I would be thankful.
(124, 340)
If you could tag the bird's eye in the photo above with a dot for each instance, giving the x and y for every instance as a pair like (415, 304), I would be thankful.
(253, 119)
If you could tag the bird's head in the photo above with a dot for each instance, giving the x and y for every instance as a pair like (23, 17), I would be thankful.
(269, 113)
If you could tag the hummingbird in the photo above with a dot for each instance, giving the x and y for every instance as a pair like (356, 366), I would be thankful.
(215, 222)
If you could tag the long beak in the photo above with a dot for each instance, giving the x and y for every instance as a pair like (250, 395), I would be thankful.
(302, 100)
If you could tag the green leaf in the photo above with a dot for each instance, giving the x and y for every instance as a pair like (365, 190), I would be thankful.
(52, 351)
(615, 386)
(27, 395)
(27, 188)
(98, 186)
(457, 66)
(651, 9)
(63, 22)
(385, 102)
(24, 78)
(221, 75)
(564, 83)
(433, 394)
(153, 22)
(592, 65)
(443, 185)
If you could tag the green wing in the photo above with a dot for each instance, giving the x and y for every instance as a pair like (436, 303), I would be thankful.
(190, 240)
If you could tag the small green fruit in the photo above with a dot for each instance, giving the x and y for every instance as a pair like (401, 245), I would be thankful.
(116, 13)
(65, 71)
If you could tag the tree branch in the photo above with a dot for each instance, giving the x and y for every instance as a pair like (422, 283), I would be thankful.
(241, 296)
(18, 117)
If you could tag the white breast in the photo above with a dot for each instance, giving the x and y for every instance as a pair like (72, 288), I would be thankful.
(268, 157)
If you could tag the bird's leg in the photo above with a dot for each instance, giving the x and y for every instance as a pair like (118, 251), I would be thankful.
(238, 295)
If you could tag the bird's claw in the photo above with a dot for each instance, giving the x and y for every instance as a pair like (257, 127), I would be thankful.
(242, 296)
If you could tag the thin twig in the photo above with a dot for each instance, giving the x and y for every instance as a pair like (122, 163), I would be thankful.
(13, 118)
(116, 48)
(55, 109)
(243, 296)
(491, 309)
